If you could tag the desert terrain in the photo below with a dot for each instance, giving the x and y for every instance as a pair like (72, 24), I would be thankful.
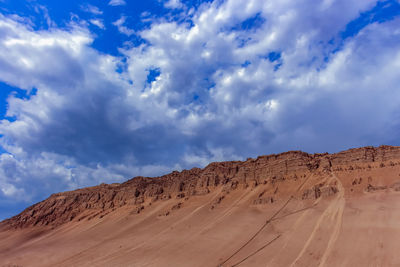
(289, 209)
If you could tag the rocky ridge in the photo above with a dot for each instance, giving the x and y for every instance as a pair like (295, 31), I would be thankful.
(138, 192)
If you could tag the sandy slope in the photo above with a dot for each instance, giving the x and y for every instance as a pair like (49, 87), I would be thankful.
(356, 226)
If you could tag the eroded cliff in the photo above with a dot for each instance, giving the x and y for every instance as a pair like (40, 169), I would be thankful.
(140, 192)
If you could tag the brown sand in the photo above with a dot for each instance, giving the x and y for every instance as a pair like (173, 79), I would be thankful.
(351, 222)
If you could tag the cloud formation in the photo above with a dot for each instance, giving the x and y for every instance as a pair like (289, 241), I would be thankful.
(117, 3)
(120, 24)
(227, 80)
(92, 9)
(98, 22)
(173, 4)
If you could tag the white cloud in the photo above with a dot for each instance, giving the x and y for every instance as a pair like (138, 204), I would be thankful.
(92, 9)
(173, 4)
(43, 9)
(98, 22)
(117, 3)
(121, 27)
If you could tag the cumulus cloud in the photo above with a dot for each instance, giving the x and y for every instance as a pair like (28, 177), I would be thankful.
(117, 3)
(234, 79)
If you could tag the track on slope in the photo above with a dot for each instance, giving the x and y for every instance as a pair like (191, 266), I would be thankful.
(268, 221)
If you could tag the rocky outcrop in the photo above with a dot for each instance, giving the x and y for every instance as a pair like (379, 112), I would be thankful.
(320, 190)
(98, 201)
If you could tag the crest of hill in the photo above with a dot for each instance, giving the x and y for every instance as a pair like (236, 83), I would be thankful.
(101, 200)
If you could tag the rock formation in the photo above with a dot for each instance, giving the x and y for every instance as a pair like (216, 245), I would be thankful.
(138, 192)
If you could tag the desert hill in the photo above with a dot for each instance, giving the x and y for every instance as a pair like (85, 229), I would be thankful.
(288, 209)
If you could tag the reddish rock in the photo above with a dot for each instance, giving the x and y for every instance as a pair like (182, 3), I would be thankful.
(97, 201)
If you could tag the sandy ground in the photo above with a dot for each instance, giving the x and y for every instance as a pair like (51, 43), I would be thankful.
(350, 228)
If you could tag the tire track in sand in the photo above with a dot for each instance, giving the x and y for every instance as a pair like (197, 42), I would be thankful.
(333, 214)
(267, 222)
(339, 208)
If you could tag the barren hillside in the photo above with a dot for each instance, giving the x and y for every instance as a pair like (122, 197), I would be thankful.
(289, 209)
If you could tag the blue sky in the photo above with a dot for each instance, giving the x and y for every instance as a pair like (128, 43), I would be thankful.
(101, 91)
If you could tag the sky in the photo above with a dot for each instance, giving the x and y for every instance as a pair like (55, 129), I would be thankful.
(105, 90)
